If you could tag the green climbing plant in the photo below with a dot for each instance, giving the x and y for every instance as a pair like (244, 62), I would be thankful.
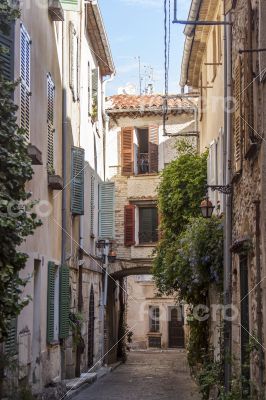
(16, 220)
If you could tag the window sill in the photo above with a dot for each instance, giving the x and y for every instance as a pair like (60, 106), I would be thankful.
(54, 343)
(147, 245)
(145, 175)
(158, 334)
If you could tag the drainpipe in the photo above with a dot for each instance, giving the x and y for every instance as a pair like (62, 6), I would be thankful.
(228, 198)
(106, 122)
(64, 176)
(258, 294)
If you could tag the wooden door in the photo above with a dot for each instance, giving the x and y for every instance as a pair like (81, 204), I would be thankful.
(176, 328)
(91, 329)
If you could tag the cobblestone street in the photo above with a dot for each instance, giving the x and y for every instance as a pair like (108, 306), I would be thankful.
(146, 375)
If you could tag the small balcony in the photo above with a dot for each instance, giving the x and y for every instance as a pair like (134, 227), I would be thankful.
(143, 164)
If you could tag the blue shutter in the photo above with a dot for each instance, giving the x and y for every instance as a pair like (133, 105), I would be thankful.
(50, 301)
(25, 53)
(50, 121)
(77, 181)
(64, 302)
(11, 340)
(70, 5)
(7, 54)
(106, 210)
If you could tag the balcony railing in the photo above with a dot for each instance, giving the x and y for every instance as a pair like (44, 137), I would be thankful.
(143, 163)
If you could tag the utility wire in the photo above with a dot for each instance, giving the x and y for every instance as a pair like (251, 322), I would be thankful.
(167, 42)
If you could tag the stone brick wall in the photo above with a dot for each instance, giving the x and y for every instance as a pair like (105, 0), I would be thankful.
(248, 186)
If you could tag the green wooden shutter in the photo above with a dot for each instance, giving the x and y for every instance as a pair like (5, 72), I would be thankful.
(106, 210)
(11, 340)
(77, 181)
(7, 54)
(70, 5)
(64, 302)
(50, 301)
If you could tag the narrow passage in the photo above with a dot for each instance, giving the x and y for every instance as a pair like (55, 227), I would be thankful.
(146, 375)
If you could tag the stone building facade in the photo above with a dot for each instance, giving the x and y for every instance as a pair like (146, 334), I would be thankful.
(138, 148)
(61, 54)
(239, 81)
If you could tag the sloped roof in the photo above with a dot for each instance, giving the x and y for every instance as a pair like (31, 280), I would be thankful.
(99, 39)
(147, 103)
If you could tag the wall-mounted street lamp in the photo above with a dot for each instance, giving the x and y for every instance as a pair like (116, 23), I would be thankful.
(206, 205)
(207, 208)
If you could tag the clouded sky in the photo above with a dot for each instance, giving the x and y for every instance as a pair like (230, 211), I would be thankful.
(136, 28)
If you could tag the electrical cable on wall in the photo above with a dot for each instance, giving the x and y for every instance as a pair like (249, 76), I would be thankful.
(167, 42)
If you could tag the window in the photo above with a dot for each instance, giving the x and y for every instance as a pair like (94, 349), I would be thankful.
(92, 205)
(139, 150)
(57, 302)
(154, 315)
(148, 225)
(106, 210)
(77, 181)
(143, 148)
(50, 122)
(53, 303)
(25, 86)
(94, 88)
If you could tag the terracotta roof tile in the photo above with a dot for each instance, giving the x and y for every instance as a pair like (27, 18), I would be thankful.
(140, 103)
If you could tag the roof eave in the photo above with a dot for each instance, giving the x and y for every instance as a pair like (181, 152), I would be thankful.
(105, 59)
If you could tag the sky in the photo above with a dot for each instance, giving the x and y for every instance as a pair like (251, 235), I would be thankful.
(135, 28)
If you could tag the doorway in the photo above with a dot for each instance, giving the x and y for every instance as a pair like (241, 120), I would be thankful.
(176, 332)
(91, 329)
(245, 353)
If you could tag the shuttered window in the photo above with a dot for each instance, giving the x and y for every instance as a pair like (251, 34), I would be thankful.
(247, 96)
(92, 204)
(50, 301)
(77, 181)
(7, 54)
(73, 62)
(106, 210)
(127, 151)
(148, 225)
(237, 118)
(25, 86)
(70, 5)
(95, 88)
(11, 340)
(153, 148)
(50, 122)
(130, 225)
(262, 39)
(64, 303)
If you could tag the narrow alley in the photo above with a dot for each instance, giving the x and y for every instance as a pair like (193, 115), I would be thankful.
(157, 375)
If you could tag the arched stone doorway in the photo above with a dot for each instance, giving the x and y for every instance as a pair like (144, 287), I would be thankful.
(91, 329)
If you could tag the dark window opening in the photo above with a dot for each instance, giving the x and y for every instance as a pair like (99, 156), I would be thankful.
(148, 225)
(155, 342)
(143, 148)
(154, 319)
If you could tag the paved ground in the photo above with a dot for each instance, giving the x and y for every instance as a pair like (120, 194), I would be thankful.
(146, 375)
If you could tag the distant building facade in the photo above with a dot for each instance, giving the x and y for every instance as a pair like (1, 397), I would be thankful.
(137, 150)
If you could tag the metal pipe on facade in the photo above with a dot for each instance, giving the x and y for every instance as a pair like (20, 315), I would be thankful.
(228, 198)
(258, 294)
